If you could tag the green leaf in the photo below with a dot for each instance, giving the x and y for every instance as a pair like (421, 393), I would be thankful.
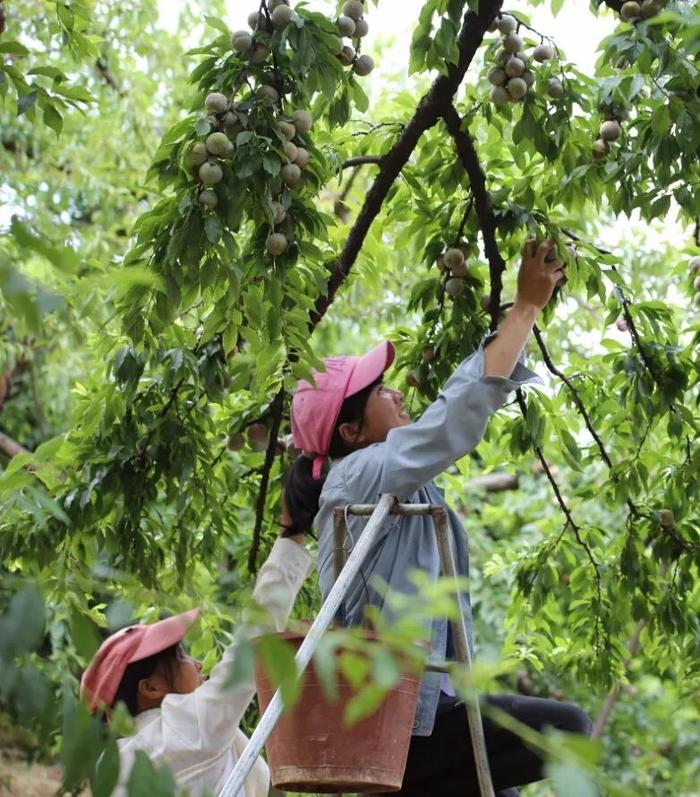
(26, 102)
(13, 48)
(53, 119)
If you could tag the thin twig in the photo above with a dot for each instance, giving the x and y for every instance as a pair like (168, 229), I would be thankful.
(362, 160)
(547, 357)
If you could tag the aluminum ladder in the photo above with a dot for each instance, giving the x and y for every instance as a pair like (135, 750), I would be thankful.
(346, 571)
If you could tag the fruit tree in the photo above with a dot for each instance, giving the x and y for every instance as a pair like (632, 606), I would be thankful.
(184, 233)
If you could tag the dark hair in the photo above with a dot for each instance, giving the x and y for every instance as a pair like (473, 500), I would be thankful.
(301, 491)
(128, 690)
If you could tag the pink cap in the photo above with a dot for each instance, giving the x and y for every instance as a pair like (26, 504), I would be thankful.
(315, 410)
(101, 680)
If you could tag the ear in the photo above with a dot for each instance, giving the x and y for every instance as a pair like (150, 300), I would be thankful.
(348, 431)
(152, 688)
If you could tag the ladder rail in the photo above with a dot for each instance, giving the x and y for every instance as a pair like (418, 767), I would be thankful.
(463, 651)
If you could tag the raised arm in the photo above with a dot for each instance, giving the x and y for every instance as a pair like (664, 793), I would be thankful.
(455, 423)
(211, 714)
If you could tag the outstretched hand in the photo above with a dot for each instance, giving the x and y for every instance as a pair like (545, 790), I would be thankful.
(541, 271)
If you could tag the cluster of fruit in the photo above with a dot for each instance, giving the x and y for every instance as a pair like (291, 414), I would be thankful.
(632, 10)
(454, 261)
(512, 77)
(694, 268)
(228, 118)
(353, 25)
(610, 130)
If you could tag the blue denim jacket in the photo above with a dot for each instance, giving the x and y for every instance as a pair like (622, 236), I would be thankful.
(405, 466)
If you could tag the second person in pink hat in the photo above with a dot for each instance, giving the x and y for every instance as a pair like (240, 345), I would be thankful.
(358, 427)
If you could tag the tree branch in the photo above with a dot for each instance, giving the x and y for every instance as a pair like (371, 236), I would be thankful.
(426, 116)
(9, 447)
(362, 160)
(547, 357)
(482, 202)
(276, 412)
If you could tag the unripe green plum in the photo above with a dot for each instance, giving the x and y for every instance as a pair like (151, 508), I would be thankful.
(512, 43)
(235, 442)
(288, 130)
(279, 214)
(610, 130)
(555, 88)
(413, 378)
(282, 16)
(273, 4)
(497, 76)
(257, 436)
(302, 121)
(543, 52)
(266, 92)
(218, 144)
(208, 199)
(361, 28)
(694, 265)
(454, 258)
(507, 24)
(346, 55)
(428, 354)
(259, 54)
(302, 158)
(346, 26)
(354, 9)
(696, 299)
(499, 95)
(630, 10)
(696, 283)
(198, 153)
(241, 41)
(291, 174)
(216, 102)
(600, 149)
(517, 88)
(230, 121)
(454, 287)
(363, 66)
(461, 270)
(291, 151)
(529, 78)
(211, 173)
(514, 67)
(276, 244)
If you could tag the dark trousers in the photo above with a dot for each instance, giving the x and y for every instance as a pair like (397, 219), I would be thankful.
(442, 765)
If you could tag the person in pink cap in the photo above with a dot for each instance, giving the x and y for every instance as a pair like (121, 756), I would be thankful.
(182, 719)
(359, 443)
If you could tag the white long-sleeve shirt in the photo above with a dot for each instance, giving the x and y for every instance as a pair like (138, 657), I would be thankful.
(197, 734)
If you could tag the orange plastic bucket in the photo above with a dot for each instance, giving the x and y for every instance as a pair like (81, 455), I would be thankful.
(312, 750)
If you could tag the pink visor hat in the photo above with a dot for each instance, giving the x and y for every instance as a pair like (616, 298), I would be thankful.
(101, 680)
(315, 409)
